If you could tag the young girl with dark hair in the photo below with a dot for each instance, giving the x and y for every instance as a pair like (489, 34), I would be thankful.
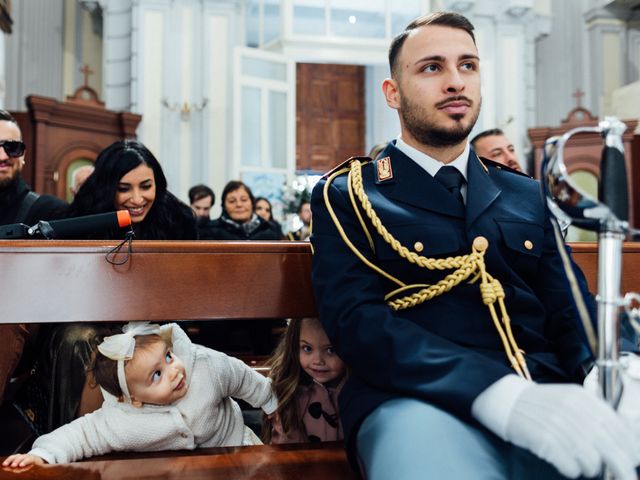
(128, 177)
(307, 376)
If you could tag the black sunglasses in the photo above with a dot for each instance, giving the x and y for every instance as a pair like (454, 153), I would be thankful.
(13, 148)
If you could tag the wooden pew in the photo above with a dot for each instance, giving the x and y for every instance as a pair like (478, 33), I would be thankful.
(64, 281)
(70, 281)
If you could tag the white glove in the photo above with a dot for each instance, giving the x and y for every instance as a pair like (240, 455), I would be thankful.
(572, 429)
(629, 407)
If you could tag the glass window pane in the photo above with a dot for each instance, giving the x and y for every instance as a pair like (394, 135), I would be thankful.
(308, 20)
(252, 21)
(349, 22)
(402, 13)
(255, 67)
(250, 126)
(278, 129)
(272, 22)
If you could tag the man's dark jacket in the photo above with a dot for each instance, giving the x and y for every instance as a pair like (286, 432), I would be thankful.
(45, 207)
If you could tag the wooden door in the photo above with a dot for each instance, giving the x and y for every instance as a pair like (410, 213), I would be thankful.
(330, 115)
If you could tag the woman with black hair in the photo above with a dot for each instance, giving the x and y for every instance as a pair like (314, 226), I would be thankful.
(128, 177)
(239, 220)
(264, 209)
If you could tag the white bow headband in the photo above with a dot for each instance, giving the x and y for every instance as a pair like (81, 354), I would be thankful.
(120, 347)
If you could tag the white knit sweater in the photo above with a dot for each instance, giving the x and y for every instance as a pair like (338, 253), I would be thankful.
(205, 417)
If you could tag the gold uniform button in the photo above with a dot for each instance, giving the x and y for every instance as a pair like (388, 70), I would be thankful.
(528, 244)
(418, 247)
(480, 243)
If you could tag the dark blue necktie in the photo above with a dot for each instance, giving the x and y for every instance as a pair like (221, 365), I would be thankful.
(451, 178)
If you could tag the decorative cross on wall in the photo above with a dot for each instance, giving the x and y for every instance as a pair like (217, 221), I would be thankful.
(578, 94)
(86, 71)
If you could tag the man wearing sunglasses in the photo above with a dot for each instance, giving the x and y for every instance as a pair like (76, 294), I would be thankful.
(18, 204)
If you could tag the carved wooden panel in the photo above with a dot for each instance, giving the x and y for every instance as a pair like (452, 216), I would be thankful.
(330, 115)
(57, 133)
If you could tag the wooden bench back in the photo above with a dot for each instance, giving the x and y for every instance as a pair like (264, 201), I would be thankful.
(70, 281)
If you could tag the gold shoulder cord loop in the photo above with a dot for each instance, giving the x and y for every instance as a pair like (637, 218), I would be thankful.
(466, 266)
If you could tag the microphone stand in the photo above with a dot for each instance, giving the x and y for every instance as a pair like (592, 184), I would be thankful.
(44, 228)
(22, 231)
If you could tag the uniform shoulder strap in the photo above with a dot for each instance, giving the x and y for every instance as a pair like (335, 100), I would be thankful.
(25, 207)
(491, 163)
(346, 164)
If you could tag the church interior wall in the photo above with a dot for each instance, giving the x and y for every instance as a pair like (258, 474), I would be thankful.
(173, 62)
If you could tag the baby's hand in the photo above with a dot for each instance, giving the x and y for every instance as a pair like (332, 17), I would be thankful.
(22, 460)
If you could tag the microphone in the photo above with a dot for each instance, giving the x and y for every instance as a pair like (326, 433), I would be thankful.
(77, 226)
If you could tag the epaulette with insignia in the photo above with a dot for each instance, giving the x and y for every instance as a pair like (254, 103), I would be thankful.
(346, 164)
(492, 163)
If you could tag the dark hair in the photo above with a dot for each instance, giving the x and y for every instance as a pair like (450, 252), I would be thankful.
(105, 370)
(7, 117)
(303, 202)
(446, 19)
(287, 375)
(487, 133)
(270, 206)
(168, 218)
(234, 185)
(201, 191)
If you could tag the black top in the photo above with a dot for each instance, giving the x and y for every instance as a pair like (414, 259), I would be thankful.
(46, 207)
(223, 228)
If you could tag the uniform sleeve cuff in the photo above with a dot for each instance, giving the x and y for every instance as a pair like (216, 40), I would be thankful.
(492, 408)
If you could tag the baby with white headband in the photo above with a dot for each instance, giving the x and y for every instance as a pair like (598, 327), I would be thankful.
(162, 392)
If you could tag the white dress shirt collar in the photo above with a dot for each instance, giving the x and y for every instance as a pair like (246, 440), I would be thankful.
(430, 164)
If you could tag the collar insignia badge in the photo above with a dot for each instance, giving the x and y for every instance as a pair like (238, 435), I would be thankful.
(383, 169)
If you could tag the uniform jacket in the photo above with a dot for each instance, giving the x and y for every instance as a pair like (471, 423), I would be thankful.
(445, 351)
(205, 417)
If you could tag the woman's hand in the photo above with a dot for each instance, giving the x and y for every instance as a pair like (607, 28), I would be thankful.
(19, 460)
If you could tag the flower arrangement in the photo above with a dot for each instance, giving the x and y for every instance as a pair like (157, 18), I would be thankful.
(293, 195)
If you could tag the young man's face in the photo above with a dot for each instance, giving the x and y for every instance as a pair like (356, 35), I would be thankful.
(499, 149)
(436, 87)
(155, 375)
(202, 206)
(10, 167)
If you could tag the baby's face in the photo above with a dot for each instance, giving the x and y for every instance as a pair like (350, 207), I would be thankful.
(156, 375)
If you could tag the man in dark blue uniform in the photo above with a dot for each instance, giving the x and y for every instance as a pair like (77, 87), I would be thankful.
(438, 282)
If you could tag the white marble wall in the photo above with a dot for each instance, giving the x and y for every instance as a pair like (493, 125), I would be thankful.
(171, 62)
(34, 51)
